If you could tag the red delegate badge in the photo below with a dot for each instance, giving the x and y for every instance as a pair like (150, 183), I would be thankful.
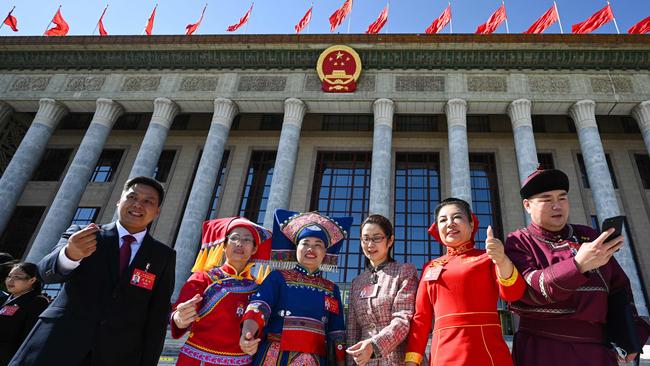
(9, 310)
(143, 279)
(432, 273)
(331, 305)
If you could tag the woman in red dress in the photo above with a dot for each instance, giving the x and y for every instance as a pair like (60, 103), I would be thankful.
(461, 289)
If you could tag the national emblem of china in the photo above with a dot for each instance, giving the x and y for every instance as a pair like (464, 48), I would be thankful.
(339, 68)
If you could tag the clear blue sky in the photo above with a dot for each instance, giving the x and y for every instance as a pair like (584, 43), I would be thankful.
(279, 16)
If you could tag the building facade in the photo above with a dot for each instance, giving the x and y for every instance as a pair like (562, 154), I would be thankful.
(239, 125)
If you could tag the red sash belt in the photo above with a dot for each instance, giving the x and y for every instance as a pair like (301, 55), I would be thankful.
(568, 330)
(467, 320)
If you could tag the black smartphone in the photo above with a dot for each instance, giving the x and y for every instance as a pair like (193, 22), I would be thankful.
(615, 222)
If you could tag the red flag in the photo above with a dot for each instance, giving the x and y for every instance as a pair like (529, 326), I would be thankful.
(379, 23)
(11, 21)
(339, 15)
(191, 28)
(641, 27)
(149, 28)
(441, 22)
(551, 16)
(100, 24)
(493, 22)
(242, 20)
(304, 21)
(594, 22)
(61, 27)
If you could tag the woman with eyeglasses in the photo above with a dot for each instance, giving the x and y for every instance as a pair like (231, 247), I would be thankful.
(212, 302)
(20, 311)
(381, 300)
(458, 292)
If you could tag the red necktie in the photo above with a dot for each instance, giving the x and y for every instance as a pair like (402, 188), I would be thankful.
(125, 252)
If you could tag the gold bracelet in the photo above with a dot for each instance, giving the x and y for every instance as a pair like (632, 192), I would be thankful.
(413, 357)
(509, 281)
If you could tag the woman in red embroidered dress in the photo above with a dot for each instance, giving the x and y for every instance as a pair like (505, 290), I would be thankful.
(460, 289)
(212, 301)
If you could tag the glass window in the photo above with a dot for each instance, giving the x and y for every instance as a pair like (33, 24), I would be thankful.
(643, 166)
(218, 186)
(85, 215)
(106, 166)
(132, 121)
(272, 122)
(347, 174)
(585, 177)
(76, 121)
(23, 224)
(546, 160)
(485, 195)
(416, 123)
(258, 185)
(52, 166)
(417, 192)
(478, 124)
(164, 166)
(348, 122)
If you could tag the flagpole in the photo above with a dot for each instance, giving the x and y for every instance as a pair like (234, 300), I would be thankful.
(100, 18)
(144, 30)
(387, 10)
(614, 19)
(48, 24)
(559, 22)
(249, 18)
(451, 24)
(312, 12)
(8, 15)
(350, 16)
(504, 8)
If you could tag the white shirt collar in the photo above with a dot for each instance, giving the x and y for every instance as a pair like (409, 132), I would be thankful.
(121, 232)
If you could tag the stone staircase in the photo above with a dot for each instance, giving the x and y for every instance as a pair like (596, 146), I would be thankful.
(170, 349)
(172, 346)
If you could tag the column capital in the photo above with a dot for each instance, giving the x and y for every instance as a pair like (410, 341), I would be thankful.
(383, 110)
(456, 111)
(294, 111)
(641, 114)
(107, 112)
(164, 112)
(225, 111)
(519, 112)
(583, 114)
(50, 112)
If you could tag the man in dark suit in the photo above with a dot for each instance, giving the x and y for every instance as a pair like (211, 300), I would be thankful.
(102, 316)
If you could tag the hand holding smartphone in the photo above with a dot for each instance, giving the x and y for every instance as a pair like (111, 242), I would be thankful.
(615, 222)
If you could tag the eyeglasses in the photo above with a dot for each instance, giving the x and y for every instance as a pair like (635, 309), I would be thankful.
(17, 278)
(374, 239)
(235, 238)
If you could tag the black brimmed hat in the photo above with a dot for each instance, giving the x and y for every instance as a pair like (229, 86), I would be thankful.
(544, 180)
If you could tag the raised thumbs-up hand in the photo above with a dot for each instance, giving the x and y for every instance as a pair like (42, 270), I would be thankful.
(186, 313)
(494, 247)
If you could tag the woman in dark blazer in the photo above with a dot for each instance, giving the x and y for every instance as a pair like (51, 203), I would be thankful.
(20, 311)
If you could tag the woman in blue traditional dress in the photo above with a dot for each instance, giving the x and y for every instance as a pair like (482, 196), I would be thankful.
(296, 316)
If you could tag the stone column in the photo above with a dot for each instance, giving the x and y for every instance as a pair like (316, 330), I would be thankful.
(28, 155)
(382, 160)
(5, 112)
(641, 114)
(456, 110)
(74, 184)
(522, 129)
(164, 111)
(285, 161)
(189, 234)
(602, 189)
